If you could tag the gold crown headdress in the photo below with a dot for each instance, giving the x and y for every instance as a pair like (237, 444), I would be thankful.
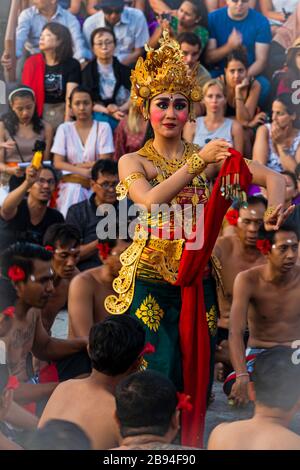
(163, 70)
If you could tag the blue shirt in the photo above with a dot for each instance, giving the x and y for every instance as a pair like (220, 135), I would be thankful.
(31, 23)
(131, 32)
(254, 28)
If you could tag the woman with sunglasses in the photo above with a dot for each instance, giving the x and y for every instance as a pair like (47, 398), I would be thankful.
(77, 146)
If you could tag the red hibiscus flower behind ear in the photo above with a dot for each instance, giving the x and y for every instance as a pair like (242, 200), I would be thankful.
(232, 216)
(104, 249)
(49, 248)
(9, 312)
(264, 246)
(184, 403)
(16, 274)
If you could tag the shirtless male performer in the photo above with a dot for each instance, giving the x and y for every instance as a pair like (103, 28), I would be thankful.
(231, 255)
(89, 289)
(63, 240)
(272, 291)
(276, 392)
(28, 267)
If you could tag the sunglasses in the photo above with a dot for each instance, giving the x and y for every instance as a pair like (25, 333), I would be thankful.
(110, 11)
(237, 1)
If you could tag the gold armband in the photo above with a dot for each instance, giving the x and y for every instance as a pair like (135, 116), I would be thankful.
(124, 185)
(196, 164)
(268, 212)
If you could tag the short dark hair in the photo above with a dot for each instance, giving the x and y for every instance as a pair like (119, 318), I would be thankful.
(65, 49)
(190, 38)
(277, 378)
(63, 233)
(115, 344)
(292, 176)
(103, 30)
(253, 200)
(51, 169)
(80, 89)
(239, 54)
(59, 434)
(23, 254)
(145, 403)
(283, 228)
(104, 166)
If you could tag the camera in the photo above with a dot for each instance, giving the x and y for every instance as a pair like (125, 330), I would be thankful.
(166, 16)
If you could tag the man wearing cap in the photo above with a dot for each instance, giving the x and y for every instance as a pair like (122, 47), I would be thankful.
(129, 25)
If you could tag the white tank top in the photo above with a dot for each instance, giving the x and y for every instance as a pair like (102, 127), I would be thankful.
(203, 135)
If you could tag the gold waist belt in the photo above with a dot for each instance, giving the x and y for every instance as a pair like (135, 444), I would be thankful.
(153, 258)
(78, 179)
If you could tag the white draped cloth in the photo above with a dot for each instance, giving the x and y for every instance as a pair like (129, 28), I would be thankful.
(67, 143)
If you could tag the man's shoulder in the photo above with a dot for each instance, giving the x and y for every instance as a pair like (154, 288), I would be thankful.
(256, 16)
(79, 207)
(133, 13)
(54, 214)
(94, 19)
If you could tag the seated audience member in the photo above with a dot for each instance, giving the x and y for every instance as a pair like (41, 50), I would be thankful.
(115, 348)
(28, 267)
(128, 24)
(214, 125)
(90, 288)
(63, 241)
(277, 11)
(27, 218)
(86, 215)
(191, 46)
(53, 74)
(291, 192)
(237, 25)
(107, 78)
(30, 24)
(20, 128)
(284, 38)
(77, 146)
(58, 434)
(277, 145)
(130, 133)
(242, 92)
(191, 17)
(282, 81)
(147, 412)
(276, 393)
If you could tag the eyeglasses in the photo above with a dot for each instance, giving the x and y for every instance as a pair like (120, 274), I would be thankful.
(103, 43)
(110, 11)
(242, 1)
(107, 185)
(42, 181)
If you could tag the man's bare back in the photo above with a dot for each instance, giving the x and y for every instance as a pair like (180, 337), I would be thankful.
(233, 259)
(90, 405)
(275, 316)
(253, 434)
(87, 293)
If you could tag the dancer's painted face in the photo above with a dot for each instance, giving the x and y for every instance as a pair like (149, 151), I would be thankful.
(169, 113)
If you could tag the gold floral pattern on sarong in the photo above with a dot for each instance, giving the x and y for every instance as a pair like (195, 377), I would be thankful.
(150, 313)
(211, 318)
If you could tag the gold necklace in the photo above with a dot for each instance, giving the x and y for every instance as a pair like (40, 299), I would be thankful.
(167, 167)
